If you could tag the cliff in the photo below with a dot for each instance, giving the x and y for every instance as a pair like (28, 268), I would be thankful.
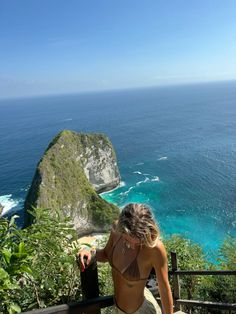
(72, 170)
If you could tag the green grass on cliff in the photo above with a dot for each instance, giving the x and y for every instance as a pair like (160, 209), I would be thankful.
(63, 183)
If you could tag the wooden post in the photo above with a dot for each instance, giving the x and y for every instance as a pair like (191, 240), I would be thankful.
(176, 284)
(90, 287)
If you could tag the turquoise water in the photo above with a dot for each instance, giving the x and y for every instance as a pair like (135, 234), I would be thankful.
(176, 150)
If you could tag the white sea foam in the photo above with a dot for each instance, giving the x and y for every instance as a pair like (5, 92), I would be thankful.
(140, 164)
(68, 119)
(156, 178)
(143, 181)
(138, 172)
(163, 158)
(8, 203)
(127, 192)
(122, 183)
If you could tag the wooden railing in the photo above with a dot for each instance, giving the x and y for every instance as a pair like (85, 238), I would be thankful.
(196, 303)
(92, 303)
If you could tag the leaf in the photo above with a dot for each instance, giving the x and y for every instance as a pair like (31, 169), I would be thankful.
(3, 274)
(16, 256)
(14, 308)
(25, 269)
(6, 255)
(10, 286)
(21, 248)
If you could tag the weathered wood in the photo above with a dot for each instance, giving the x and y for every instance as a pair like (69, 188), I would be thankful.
(102, 302)
(77, 307)
(176, 285)
(91, 305)
(90, 285)
(89, 281)
(59, 309)
(203, 272)
(207, 304)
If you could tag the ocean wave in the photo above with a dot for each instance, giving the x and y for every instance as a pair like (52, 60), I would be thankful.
(143, 181)
(68, 119)
(8, 203)
(140, 164)
(156, 178)
(163, 158)
(122, 183)
(127, 192)
(138, 172)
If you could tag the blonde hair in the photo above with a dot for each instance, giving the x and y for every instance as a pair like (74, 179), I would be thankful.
(137, 221)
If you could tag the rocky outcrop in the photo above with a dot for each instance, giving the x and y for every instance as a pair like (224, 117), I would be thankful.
(99, 163)
(73, 169)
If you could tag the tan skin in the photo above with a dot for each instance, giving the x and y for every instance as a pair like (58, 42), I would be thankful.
(129, 294)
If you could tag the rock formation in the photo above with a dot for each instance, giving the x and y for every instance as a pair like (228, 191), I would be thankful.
(73, 169)
(1, 209)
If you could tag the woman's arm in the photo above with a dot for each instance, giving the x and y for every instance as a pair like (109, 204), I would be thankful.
(85, 256)
(102, 254)
(161, 268)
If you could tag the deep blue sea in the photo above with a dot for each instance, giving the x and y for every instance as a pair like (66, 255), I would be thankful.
(176, 150)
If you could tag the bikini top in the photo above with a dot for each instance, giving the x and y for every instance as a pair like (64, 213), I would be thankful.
(131, 271)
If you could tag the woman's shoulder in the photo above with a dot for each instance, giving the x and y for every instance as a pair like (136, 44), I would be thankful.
(158, 250)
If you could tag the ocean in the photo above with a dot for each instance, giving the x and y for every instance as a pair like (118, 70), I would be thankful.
(175, 145)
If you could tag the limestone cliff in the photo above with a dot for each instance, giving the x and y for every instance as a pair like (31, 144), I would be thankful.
(67, 177)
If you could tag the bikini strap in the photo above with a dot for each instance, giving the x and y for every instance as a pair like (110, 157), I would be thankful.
(112, 250)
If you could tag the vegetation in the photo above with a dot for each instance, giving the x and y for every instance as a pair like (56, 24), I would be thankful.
(61, 184)
(190, 257)
(37, 264)
(38, 267)
(207, 288)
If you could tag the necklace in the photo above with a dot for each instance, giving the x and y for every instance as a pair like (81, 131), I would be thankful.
(126, 246)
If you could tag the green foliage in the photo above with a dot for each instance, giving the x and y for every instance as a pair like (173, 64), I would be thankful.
(37, 264)
(38, 267)
(103, 212)
(209, 288)
(190, 257)
(14, 262)
(104, 273)
(65, 185)
(227, 258)
(222, 288)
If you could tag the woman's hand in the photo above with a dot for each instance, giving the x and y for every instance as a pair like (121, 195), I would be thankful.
(83, 258)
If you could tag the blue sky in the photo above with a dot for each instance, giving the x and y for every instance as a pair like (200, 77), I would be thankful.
(55, 46)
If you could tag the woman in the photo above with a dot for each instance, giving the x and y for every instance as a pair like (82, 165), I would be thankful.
(133, 249)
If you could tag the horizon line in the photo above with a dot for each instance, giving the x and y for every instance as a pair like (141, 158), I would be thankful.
(118, 89)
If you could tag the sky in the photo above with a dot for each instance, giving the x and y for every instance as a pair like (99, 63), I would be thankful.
(59, 46)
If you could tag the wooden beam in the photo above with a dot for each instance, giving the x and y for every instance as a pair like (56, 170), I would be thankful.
(203, 272)
(176, 284)
(207, 304)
